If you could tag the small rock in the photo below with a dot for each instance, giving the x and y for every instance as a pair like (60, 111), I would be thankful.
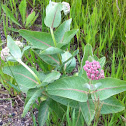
(13, 114)
(1, 123)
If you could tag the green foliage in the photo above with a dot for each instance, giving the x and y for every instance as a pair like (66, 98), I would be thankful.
(49, 78)
(9, 14)
(33, 98)
(71, 64)
(30, 18)
(69, 87)
(39, 40)
(109, 87)
(26, 21)
(88, 111)
(19, 72)
(22, 9)
(111, 105)
(53, 15)
(14, 50)
(43, 113)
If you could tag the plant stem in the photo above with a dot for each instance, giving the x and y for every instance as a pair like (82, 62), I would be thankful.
(53, 37)
(54, 40)
(36, 77)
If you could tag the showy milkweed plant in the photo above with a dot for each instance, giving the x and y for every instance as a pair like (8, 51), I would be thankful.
(88, 90)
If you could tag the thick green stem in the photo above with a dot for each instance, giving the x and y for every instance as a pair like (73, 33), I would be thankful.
(54, 40)
(53, 37)
(36, 77)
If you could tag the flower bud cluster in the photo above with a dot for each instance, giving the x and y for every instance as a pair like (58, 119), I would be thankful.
(93, 70)
(19, 44)
(5, 53)
(66, 8)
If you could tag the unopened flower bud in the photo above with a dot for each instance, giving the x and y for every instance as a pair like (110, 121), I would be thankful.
(18, 43)
(5, 53)
(53, 3)
(66, 8)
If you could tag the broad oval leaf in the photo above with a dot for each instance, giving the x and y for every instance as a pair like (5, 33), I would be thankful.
(109, 87)
(51, 51)
(88, 111)
(23, 77)
(69, 87)
(39, 40)
(111, 105)
(53, 15)
(13, 48)
(62, 29)
(49, 59)
(65, 101)
(67, 38)
(49, 78)
(43, 113)
(54, 75)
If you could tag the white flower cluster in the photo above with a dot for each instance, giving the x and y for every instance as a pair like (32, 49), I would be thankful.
(18, 43)
(5, 51)
(66, 7)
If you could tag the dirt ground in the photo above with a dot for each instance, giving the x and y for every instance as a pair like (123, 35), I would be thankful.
(11, 109)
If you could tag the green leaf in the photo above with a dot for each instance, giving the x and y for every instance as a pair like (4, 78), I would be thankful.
(22, 9)
(53, 15)
(57, 108)
(13, 48)
(62, 29)
(32, 22)
(102, 61)
(69, 87)
(111, 105)
(51, 50)
(108, 88)
(87, 52)
(43, 113)
(88, 111)
(29, 94)
(51, 77)
(71, 64)
(34, 97)
(23, 77)
(13, 86)
(65, 101)
(9, 14)
(25, 48)
(67, 38)
(39, 40)
(30, 18)
(49, 59)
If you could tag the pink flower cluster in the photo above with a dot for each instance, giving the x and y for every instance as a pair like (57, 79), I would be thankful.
(93, 70)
